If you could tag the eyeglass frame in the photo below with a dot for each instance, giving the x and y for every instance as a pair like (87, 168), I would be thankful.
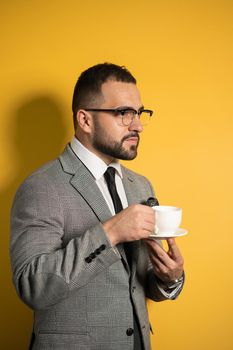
(121, 111)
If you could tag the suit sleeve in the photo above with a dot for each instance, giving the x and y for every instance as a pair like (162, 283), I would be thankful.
(155, 290)
(44, 270)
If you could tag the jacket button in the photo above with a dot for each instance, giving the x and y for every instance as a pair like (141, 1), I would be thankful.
(129, 331)
(88, 259)
(102, 247)
(97, 251)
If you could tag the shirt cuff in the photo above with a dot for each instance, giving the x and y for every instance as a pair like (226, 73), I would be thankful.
(171, 290)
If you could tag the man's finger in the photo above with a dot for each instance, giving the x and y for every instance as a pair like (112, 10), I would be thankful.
(159, 252)
(174, 251)
(173, 247)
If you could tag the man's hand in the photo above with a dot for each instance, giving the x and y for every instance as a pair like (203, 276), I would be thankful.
(131, 224)
(168, 266)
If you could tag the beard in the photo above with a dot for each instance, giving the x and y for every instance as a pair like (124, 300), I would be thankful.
(104, 143)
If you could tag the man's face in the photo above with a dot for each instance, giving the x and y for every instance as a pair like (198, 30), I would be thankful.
(110, 138)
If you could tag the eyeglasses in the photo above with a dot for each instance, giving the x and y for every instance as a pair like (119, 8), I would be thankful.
(127, 114)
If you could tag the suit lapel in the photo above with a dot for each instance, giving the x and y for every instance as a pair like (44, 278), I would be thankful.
(83, 181)
(85, 184)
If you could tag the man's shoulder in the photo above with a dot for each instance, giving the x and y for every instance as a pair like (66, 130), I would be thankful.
(40, 178)
(132, 174)
(50, 170)
(137, 182)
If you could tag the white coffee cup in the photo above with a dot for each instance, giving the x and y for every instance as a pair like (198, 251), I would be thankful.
(167, 219)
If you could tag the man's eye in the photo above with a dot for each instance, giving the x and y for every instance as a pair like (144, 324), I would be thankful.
(127, 111)
(121, 111)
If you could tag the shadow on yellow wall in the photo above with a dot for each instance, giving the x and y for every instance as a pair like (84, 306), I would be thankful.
(35, 121)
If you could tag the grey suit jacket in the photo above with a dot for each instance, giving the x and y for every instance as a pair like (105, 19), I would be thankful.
(64, 266)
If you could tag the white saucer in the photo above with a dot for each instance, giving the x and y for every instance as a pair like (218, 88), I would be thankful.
(178, 233)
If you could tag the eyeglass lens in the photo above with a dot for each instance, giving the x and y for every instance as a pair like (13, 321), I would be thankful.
(128, 117)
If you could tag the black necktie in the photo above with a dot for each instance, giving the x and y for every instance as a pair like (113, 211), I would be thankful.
(110, 179)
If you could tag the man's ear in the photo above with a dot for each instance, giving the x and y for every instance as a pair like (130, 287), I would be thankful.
(84, 120)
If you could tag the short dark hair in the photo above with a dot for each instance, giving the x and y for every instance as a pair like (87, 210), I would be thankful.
(88, 86)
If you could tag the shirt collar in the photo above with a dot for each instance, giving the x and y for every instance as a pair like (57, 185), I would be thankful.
(93, 163)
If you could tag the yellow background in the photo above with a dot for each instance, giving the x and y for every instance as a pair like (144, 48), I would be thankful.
(181, 53)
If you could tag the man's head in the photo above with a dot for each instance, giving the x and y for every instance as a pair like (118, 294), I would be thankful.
(107, 112)
(88, 89)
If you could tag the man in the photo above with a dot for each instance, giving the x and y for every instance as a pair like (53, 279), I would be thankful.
(80, 248)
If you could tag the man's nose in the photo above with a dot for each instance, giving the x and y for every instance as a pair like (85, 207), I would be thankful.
(136, 124)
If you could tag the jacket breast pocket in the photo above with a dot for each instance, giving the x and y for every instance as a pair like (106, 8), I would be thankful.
(61, 341)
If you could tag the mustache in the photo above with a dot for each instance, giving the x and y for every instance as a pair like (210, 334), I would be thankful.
(129, 135)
